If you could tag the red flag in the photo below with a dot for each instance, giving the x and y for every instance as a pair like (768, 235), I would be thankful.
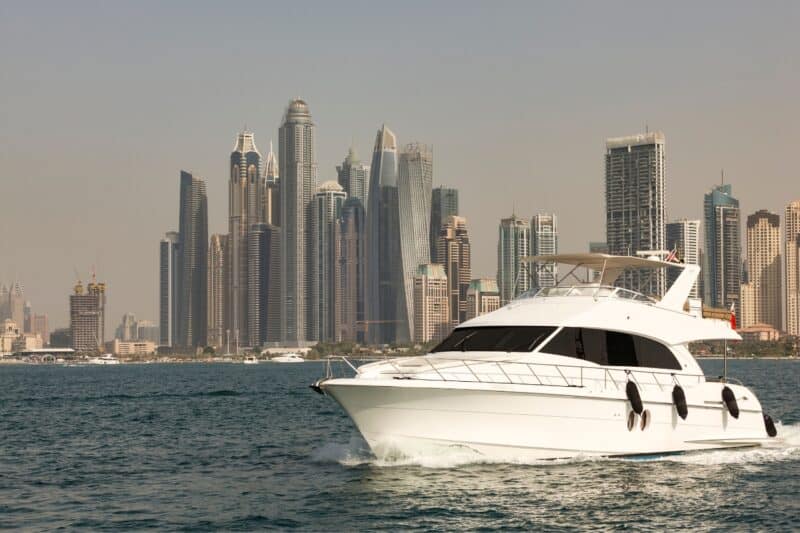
(733, 317)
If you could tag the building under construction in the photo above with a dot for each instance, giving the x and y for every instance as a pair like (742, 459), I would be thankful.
(87, 317)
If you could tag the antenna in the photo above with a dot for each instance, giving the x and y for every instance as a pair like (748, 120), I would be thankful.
(722, 175)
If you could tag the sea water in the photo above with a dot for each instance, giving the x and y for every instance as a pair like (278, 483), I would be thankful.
(246, 447)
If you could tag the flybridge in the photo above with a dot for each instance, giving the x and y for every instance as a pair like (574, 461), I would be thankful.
(610, 267)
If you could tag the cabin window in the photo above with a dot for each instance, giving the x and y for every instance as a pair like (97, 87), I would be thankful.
(495, 339)
(611, 348)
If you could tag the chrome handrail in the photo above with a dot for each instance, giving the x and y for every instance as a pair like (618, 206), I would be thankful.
(502, 372)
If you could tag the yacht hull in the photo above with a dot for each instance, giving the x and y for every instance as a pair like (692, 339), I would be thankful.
(520, 423)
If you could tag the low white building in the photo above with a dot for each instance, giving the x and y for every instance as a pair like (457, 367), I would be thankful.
(133, 347)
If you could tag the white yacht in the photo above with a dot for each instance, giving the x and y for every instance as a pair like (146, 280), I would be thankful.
(105, 359)
(287, 358)
(250, 360)
(579, 369)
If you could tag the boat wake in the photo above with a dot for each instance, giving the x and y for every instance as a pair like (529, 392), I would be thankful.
(357, 453)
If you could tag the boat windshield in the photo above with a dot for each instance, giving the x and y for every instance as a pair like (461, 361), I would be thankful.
(495, 339)
(595, 291)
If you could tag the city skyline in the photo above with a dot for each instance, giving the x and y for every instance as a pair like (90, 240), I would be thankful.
(550, 145)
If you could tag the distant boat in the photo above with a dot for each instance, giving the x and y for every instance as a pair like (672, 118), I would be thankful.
(250, 360)
(288, 358)
(105, 359)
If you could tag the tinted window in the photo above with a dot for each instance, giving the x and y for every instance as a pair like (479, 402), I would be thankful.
(495, 339)
(611, 348)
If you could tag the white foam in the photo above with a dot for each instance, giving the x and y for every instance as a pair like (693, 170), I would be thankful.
(356, 453)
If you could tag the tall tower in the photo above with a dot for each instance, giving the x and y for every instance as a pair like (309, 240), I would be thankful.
(385, 304)
(298, 173)
(431, 304)
(86, 319)
(271, 213)
(325, 316)
(764, 266)
(723, 248)
(792, 255)
(453, 251)
(245, 207)
(353, 271)
(193, 230)
(634, 185)
(354, 177)
(414, 184)
(16, 305)
(444, 204)
(263, 284)
(169, 283)
(683, 236)
(217, 290)
(544, 241)
(513, 277)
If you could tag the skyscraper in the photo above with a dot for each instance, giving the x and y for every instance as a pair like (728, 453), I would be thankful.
(764, 265)
(353, 270)
(683, 236)
(271, 214)
(354, 177)
(513, 276)
(414, 184)
(792, 255)
(298, 173)
(723, 248)
(483, 297)
(325, 318)
(444, 204)
(193, 231)
(246, 190)
(544, 241)
(87, 317)
(16, 305)
(217, 290)
(263, 284)
(431, 307)
(4, 312)
(453, 251)
(127, 331)
(386, 312)
(634, 188)
(169, 277)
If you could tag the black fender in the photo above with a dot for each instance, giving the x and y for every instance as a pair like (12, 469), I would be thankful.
(632, 392)
(769, 425)
(729, 400)
(679, 399)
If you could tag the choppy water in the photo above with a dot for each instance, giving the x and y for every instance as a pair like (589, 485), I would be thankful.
(240, 447)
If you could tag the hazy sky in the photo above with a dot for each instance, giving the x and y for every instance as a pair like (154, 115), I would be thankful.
(102, 104)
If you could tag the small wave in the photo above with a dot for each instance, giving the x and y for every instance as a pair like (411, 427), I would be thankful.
(216, 393)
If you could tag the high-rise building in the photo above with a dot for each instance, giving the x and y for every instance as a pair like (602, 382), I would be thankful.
(353, 271)
(431, 307)
(127, 331)
(483, 297)
(246, 190)
(325, 318)
(193, 230)
(354, 177)
(263, 284)
(169, 285)
(86, 317)
(414, 184)
(147, 330)
(513, 276)
(217, 300)
(792, 254)
(723, 248)
(40, 326)
(444, 204)
(634, 187)
(386, 311)
(453, 251)
(16, 305)
(544, 241)
(298, 173)
(764, 270)
(4, 311)
(683, 236)
(271, 214)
